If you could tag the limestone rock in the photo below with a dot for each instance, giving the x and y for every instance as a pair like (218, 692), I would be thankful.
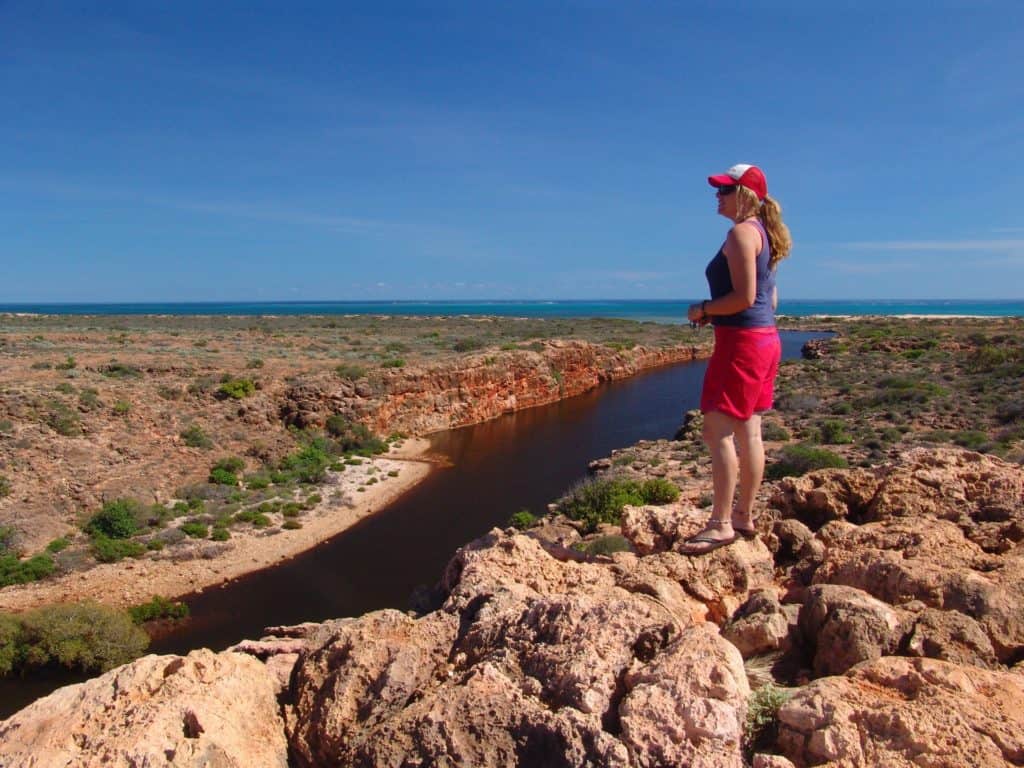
(759, 626)
(845, 626)
(904, 713)
(204, 709)
(530, 660)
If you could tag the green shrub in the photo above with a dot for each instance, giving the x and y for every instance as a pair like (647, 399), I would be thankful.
(6, 538)
(6, 426)
(307, 465)
(796, 460)
(254, 363)
(596, 501)
(257, 481)
(116, 370)
(118, 519)
(236, 389)
(291, 525)
(351, 372)
(89, 399)
(66, 389)
(84, 636)
(15, 571)
(10, 643)
(5, 487)
(833, 432)
(220, 533)
(61, 419)
(58, 545)
(122, 408)
(772, 430)
(522, 519)
(606, 545)
(658, 490)
(395, 362)
(257, 519)
(194, 529)
(225, 471)
(158, 608)
(107, 550)
(468, 344)
(67, 365)
(762, 723)
(194, 437)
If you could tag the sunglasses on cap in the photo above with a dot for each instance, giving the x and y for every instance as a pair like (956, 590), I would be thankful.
(723, 191)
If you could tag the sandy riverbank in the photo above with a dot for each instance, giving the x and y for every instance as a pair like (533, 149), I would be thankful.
(204, 564)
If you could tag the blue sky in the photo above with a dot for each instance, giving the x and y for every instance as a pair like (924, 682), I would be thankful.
(155, 151)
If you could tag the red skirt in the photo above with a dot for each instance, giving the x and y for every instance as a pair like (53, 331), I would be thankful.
(740, 379)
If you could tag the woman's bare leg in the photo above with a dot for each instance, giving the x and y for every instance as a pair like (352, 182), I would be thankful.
(718, 434)
(751, 461)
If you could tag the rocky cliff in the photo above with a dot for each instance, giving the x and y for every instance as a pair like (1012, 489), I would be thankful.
(474, 388)
(888, 602)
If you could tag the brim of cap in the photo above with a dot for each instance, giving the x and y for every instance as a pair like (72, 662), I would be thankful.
(722, 180)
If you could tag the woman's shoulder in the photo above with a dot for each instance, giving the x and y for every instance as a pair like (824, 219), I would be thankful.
(746, 232)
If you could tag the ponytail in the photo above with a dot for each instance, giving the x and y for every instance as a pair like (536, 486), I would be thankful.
(779, 239)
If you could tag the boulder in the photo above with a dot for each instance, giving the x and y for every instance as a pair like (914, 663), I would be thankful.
(906, 713)
(204, 709)
(844, 626)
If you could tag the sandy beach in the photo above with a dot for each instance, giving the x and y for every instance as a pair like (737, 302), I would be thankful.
(205, 564)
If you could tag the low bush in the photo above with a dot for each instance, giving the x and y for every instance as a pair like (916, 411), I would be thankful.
(522, 519)
(5, 487)
(395, 362)
(107, 550)
(796, 460)
(307, 465)
(772, 430)
(58, 545)
(351, 372)
(658, 490)
(596, 501)
(236, 389)
(84, 636)
(194, 529)
(762, 723)
(220, 533)
(225, 471)
(16, 571)
(62, 419)
(468, 344)
(116, 370)
(158, 608)
(67, 365)
(833, 432)
(122, 408)
(606, 545)
(118, 519)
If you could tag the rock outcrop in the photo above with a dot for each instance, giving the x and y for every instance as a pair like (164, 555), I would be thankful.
(889, 602)
(204, 709)
(473, 389)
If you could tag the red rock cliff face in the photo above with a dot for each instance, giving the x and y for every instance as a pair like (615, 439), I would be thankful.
(421, 400)
(486, 386)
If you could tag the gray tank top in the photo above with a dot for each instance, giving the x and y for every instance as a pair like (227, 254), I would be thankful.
(761, 314)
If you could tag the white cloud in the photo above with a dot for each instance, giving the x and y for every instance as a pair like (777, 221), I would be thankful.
(935, 245)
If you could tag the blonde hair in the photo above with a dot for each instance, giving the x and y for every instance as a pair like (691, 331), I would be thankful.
(770, 213)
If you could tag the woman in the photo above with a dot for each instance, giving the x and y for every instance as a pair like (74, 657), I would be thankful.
(741, 373)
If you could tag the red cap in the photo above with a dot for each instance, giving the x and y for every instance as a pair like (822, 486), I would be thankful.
(749, 176)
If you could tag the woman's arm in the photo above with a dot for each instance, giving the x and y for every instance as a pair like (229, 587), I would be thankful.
(741, 249)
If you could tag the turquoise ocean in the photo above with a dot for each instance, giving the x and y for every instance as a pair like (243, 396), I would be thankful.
(653, 310)
(662, 311)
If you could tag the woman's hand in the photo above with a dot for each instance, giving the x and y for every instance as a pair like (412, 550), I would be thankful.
(695, 314)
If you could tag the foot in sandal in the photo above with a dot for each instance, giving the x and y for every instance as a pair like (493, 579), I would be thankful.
(717, 533)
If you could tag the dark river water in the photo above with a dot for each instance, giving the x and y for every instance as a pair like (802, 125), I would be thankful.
(521, 460)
